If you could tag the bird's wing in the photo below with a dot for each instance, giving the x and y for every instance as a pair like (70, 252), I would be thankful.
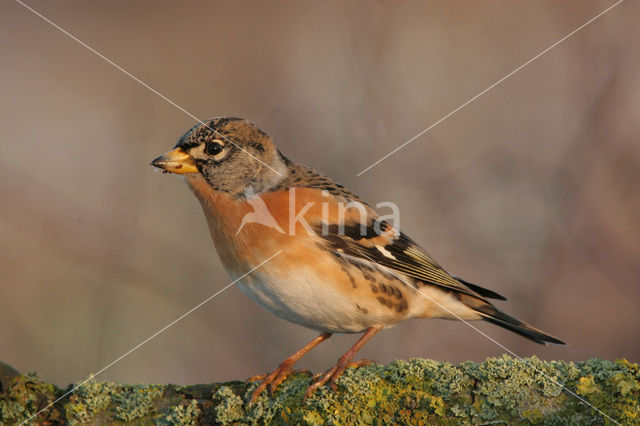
(393, 250)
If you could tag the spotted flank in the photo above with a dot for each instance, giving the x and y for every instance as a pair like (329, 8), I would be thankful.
(441, 294)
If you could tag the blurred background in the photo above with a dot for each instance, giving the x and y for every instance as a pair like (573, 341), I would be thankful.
(532, 190)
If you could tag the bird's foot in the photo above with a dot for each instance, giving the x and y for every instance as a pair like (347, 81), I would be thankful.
(256, 378)
(333, 374)
(274, 379)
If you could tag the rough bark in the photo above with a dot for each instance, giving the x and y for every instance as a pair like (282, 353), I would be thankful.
(498, 391)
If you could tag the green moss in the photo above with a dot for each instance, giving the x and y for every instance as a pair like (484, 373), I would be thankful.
(229, 407)
(134, 402)
(26, 395)
(377, 394)
(500, 390)
(184, 414)
(587, 385)
(89, 401)
(98, 402)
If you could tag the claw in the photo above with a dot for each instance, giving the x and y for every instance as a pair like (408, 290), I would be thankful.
(305, 371)
(285, 369)
(256, 378)
(334, 373)
(284, 372)
(359, 363)
(274, 378)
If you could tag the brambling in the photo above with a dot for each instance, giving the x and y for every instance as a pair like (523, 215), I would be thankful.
(341, 268)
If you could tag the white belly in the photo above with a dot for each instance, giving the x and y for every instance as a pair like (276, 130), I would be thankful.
(305, 299)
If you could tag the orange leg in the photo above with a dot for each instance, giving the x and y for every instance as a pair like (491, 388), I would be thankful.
(285, 368)
(345, 360)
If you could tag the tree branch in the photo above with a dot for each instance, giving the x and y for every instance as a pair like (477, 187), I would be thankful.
(498, 391)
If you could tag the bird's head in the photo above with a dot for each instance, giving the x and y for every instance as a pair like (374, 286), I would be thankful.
(230, 153)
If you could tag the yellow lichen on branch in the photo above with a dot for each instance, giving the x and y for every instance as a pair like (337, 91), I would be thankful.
(418, 391)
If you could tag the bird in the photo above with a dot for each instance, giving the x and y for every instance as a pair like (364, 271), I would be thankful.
(334, 264)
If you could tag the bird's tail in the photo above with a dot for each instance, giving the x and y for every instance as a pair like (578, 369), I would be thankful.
(491, 314)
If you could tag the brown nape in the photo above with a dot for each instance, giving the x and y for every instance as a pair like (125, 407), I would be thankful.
(304, 177)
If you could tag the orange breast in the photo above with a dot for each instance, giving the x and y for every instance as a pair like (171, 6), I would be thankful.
(273, 221)
(305, 283)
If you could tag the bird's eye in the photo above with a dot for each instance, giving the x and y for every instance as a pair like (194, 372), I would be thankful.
(214, 148)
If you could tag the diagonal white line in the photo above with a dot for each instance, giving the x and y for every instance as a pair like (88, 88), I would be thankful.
(142, 83)
(505, 348)
(151, 89)
(149, 338)
(490, 87)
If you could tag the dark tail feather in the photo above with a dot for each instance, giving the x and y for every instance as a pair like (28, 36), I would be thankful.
(491, 314)
(484, 292)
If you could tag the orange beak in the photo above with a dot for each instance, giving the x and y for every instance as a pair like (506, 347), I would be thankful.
(175, 161)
